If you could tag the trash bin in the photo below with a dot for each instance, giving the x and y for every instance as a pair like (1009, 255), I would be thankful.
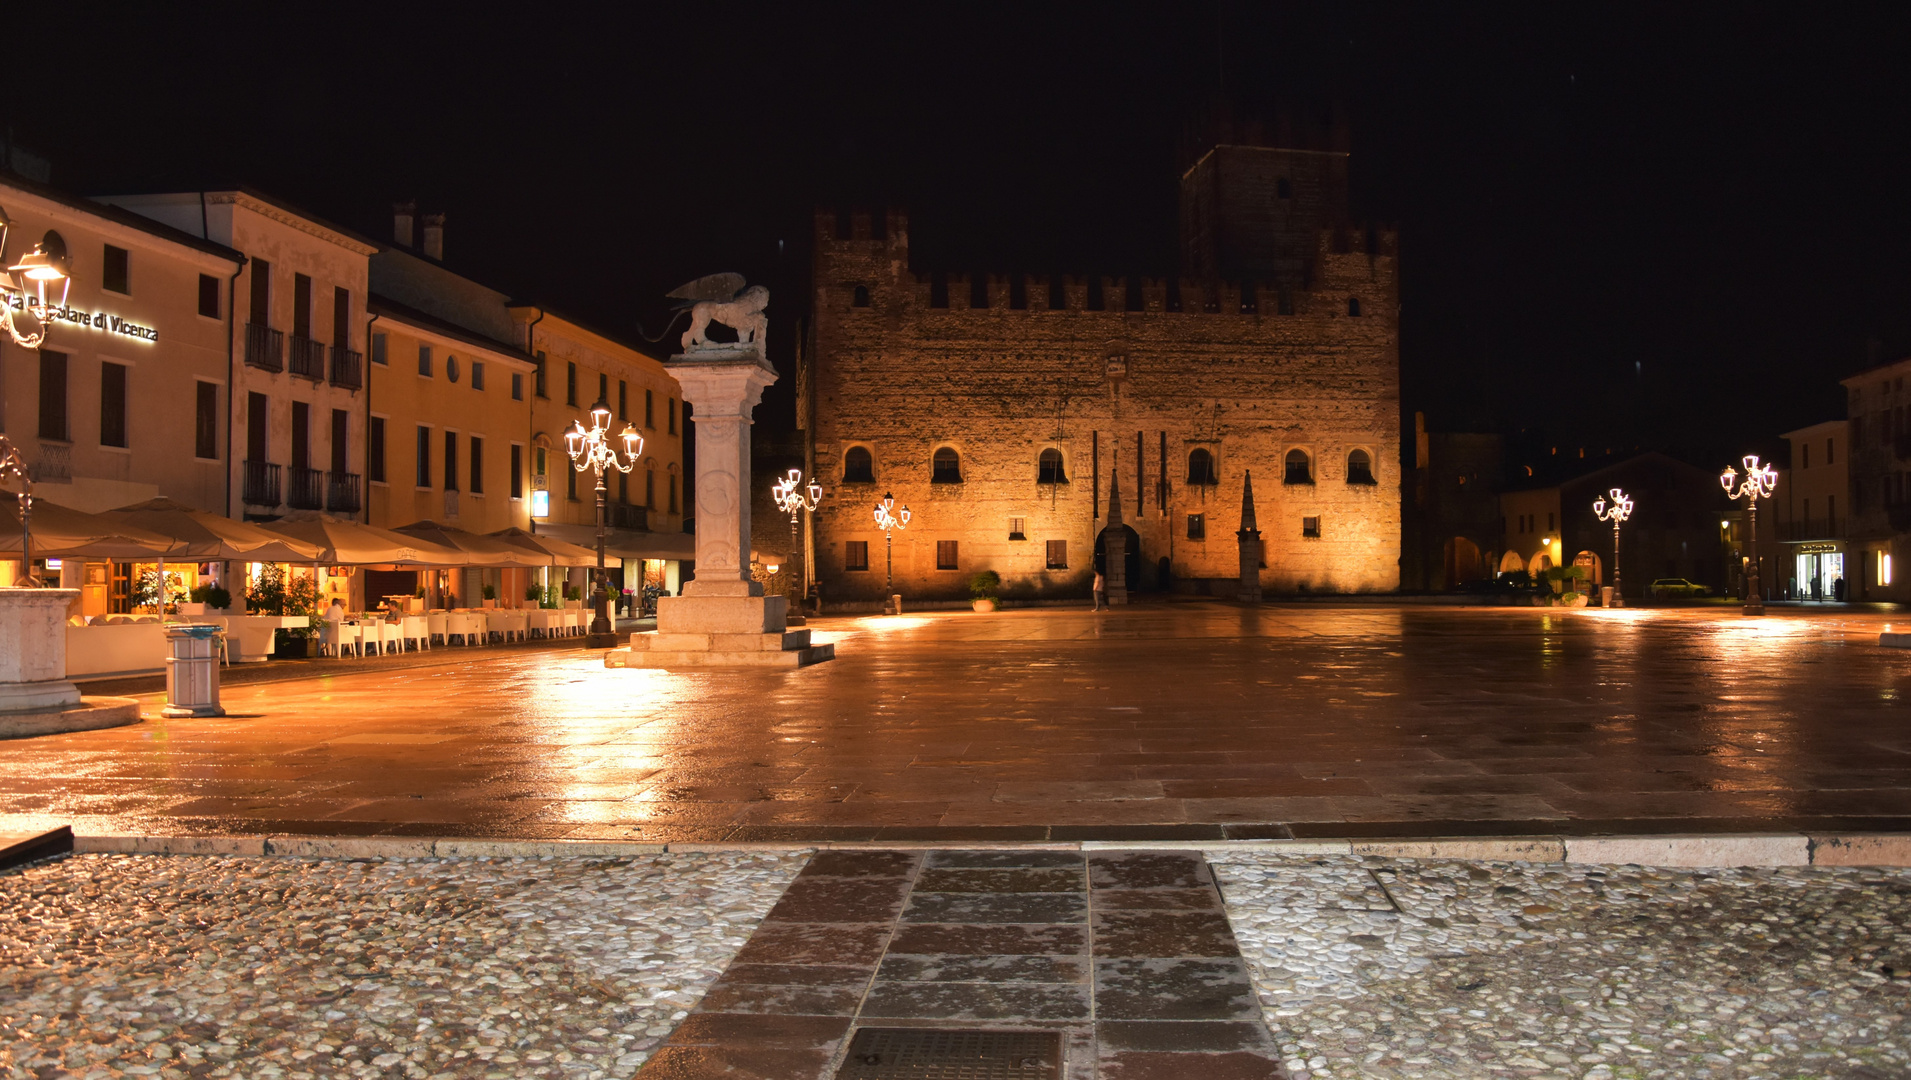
(192, 671)
(1608, 598)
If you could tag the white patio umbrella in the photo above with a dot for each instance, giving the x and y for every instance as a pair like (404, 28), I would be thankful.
(205, 536)
(481, 550)
(61, 531)
(347, 543)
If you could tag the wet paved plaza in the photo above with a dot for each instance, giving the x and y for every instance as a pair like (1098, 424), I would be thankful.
(1171, 721)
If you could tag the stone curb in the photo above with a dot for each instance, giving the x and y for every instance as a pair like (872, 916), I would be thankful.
(1728, 850)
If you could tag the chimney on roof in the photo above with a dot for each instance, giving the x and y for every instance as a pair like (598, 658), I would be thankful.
(402, 216)
(435, 236)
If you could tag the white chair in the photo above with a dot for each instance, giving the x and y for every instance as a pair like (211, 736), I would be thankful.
(417, 632)
(391, 638)
(331, 638)
(438, 621)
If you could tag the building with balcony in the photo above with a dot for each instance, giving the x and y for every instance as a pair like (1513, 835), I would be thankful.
(297, 410)
(127, 398)
(1878, 465)
(1811, 513)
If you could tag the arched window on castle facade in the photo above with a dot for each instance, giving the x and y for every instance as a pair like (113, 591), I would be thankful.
(860, 298)
(1360, 468)
(946, 466)
(1299, 470)
(1201, 467)
(859, 467)
(1353, 305)
(1048, 468)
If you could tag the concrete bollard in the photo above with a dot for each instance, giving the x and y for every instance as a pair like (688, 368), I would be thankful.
(192, 671)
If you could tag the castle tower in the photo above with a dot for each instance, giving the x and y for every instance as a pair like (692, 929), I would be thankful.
(1254, 213)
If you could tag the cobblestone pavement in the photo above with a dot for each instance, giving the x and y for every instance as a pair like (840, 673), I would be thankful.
(1384, 968)
(191, 966)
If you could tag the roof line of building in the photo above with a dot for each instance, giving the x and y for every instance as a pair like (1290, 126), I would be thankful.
(646, 350)
(119, 215)
(386, 307)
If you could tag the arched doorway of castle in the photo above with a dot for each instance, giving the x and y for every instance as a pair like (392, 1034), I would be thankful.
(1131, 563)
(1462, 562)
(1511, 561)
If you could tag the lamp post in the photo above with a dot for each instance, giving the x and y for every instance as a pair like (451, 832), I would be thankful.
(1759, 482)
(11, 464)
(792, 498)
(591, 449)
(1617, 512)
(889, 519)
(47, 262)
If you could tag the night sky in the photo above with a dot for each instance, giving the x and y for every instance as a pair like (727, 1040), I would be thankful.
(1621, 225)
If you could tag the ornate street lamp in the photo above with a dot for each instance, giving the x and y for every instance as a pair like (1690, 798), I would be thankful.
(11, 464)
(1759, 482)
(889, 519)
(46, 263)
(792, 498)
(592, 450)
(1619, 510)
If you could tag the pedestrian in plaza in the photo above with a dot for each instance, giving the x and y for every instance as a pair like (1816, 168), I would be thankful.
(1101, 591)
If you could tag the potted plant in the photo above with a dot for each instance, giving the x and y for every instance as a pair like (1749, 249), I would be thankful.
(983, 588)
(490, 596)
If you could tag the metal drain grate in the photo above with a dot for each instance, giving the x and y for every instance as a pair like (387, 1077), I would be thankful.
(945, 1054)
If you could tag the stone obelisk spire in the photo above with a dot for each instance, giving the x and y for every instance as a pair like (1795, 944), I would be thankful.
(1115, 546)
(1250, 540)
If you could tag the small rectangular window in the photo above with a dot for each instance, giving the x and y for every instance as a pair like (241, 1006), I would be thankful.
(570, 383)
(205, 428)
(945, 554)
(517, 471)
(451, 461)
(1310, 526)
(53, 395)
(116, 275)
(623, 400)
(1016, 530)
(208, 296)
(1197, 526)
(378, 348)
(672, 415)
(424, 360)
(517, 386)
(375, 452)
(477, 374)
(261, 314)
(301, 306)
(477, 465)
(1058, 554)
(424, 456)
(1552, 521)
(856, 556)
(112, 404)
(650, 410)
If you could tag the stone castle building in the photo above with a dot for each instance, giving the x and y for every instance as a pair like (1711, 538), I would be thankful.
(1002, 408)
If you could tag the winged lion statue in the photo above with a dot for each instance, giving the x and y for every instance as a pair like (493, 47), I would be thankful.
(726, 299)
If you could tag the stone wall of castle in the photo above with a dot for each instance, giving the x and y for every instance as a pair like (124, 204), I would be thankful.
(900, 366)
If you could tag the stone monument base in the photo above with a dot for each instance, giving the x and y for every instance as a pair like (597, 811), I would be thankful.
(87, 714)
(721, 631)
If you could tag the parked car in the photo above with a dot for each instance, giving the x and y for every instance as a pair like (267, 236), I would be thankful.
(1676, 587)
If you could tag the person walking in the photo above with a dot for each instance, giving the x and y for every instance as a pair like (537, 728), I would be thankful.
(1101, 591)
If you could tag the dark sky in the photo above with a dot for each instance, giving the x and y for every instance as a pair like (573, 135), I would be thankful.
(1621, 224)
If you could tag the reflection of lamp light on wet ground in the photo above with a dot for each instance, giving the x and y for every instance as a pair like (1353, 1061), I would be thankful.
(1616, 512)
(1759, 483)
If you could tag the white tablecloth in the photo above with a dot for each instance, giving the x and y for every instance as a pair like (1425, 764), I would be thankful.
(249, 637)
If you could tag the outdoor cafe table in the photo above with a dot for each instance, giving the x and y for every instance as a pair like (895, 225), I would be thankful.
(249, 637)
(507, 625)
(544, 622)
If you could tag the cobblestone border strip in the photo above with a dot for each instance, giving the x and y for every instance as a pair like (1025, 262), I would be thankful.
(1694, 850)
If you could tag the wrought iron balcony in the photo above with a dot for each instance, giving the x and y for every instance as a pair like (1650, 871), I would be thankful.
(347, 370)
(341, 492)
(308, 359)
(265, 348)
(261, 483)
(308, 489)
(636, 518)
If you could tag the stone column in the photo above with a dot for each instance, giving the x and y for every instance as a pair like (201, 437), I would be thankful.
(723, 388)
(1249, 538)
(1115, 546)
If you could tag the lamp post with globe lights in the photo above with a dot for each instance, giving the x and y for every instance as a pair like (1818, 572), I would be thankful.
(889, 518)
(1759, 483)
(45, 264)
(793, 498)
(591, 450)
(1616, 512)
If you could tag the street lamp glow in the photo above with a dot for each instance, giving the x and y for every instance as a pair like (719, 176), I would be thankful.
(47, 262)
(793, 498)
(1759, 483)
(1617, 511)
(889, 518)
(592, 450)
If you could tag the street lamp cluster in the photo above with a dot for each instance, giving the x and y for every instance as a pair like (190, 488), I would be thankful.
(1759, 483)
(793, 498)
(47, 262)
(592, 450)
(889, 518)
(1617, 511)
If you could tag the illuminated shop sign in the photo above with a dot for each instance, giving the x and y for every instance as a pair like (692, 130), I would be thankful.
(98, 320)
(540, 504)
(1816, 549)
